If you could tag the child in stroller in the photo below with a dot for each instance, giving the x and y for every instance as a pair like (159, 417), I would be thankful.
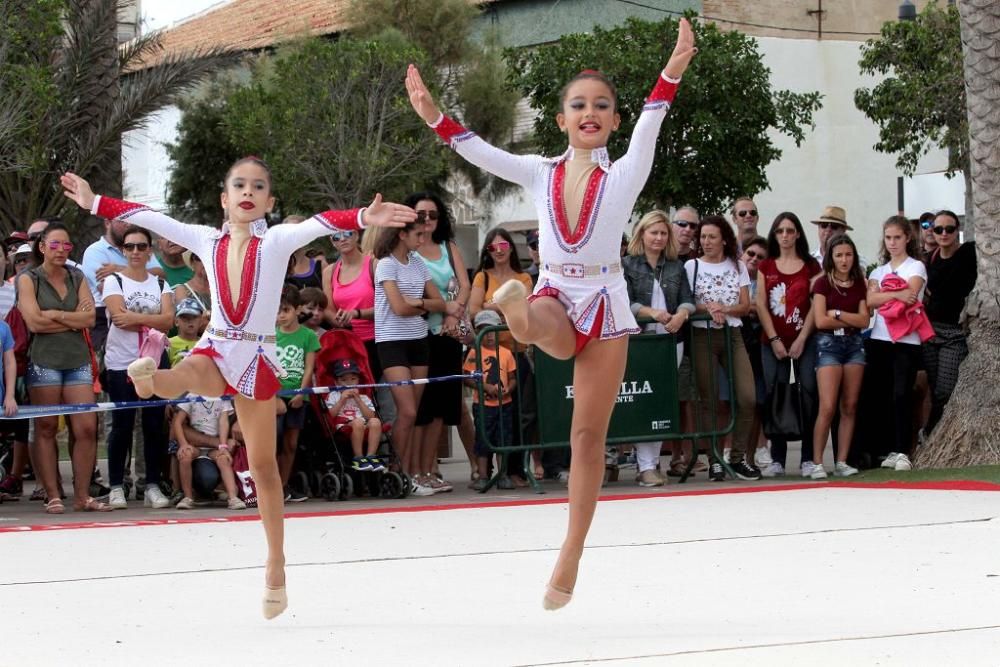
(353, 413)
(336, 480)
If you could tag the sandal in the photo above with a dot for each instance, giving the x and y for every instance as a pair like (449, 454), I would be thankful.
(54, 506)
(93, 505)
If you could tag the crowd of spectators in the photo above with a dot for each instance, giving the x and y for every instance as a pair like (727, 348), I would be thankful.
(852, 335)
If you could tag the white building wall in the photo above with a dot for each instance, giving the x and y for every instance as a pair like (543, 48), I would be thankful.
(837, 163)
(145, 161)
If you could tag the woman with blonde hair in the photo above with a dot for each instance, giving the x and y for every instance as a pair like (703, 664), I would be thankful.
(658, 288)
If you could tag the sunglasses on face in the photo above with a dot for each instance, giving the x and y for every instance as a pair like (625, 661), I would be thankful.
(683, 224)
(427, 215)
(20, 260)
(56, 245)
(341, 236)
(745, 213)
(950, 229)
(131, 247)
(828, 225)
(499, 246)
(926, 224)
(755, 255)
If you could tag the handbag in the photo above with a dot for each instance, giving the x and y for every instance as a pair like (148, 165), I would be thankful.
(465, 334)
(783, 410)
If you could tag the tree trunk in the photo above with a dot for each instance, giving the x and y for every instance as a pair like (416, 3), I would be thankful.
(968, 433)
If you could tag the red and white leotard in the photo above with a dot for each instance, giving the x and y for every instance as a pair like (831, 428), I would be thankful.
(581, 267)
(240, 336)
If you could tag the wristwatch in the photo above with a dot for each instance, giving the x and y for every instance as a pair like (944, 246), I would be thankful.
(837, 314)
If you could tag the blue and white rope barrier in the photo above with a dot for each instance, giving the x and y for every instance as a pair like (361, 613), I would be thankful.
(29, 411)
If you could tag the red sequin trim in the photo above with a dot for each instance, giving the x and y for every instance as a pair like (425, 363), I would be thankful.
(347, 220)
(111, 208)
(236, 315)
(448, 128)
(663, 91)
(586, 210)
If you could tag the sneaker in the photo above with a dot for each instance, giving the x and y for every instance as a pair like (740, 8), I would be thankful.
(716, 472)
(890, 461)
(293, 496)
(818, 472)
(746, 471)
(376, 464)
(650, 478)
(725, 454)
(419, 489)
(807, 468)
(221, 496)
(154, 498)
(903, 463)
(185, 504)
(844, 470)
(480, 485)
(236, 504)
(774, 469)
(762, 457)
(176, 497)
(439, 485)
(360, 464)
(117, 498)
(563, 477)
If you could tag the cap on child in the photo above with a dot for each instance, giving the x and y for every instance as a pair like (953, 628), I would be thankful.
(190, 306)
(344, 367)
(487, 318)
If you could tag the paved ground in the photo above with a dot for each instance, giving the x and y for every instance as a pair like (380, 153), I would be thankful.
(700, 574)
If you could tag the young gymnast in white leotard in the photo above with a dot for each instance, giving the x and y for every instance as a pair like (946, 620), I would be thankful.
(580, 306)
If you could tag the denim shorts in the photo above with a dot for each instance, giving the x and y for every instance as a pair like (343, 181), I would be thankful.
(839, 350)
(40, 376)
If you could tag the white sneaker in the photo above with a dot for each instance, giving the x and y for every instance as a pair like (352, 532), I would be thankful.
(117, 498)
(844, 470)
(774, 469)
(890, 461)
(762, 457)
(235, 503)
(185, 504)
(818, 472)
(903, 462)
(725, 454)
(419, 489)
(807, 468)
(155, 498)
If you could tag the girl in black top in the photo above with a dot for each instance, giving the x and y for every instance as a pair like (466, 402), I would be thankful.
(951, 275)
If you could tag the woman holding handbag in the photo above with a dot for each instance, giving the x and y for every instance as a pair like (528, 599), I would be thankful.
(783, 306)
(140, 307)
(442, 403)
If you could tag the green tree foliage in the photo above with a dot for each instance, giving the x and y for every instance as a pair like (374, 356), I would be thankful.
(193, 193)
(921, 102)
(468, 78)
(332, 120)
(714, 145)
(81, 93)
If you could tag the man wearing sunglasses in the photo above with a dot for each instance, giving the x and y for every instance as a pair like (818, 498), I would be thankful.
(685, 222)
(102, 258)
(832, 222)
(745, 219)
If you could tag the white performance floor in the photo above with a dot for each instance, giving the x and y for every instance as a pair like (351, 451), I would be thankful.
(817, 576)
